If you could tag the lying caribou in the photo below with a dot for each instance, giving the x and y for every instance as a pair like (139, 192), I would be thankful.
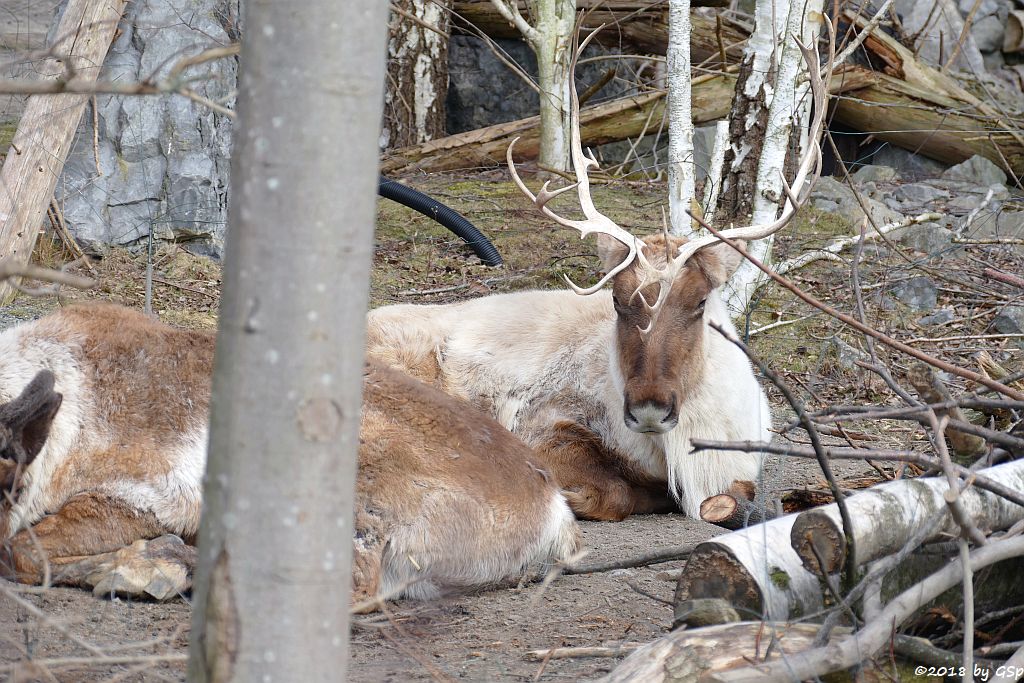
(103, 447)
(609, 387)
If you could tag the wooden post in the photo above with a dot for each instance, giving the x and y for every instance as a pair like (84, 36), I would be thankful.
(47, 127)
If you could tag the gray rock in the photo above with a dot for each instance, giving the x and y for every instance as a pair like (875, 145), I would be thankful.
(831, 190)
(917, 293)
(920, 194)
(844, 353)
(163, 161)
(928, 238)
(997, 225)
(935, 29)
(1010, 320)
(907, 163)
(939, 317)
(989, 23)
(977, 170)
(876, 174)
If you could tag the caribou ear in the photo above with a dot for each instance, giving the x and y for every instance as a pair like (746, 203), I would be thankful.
(611, 251)
(718, 261)
(28, 417)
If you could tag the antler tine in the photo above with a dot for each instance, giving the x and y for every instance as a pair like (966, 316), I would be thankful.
(595, 222)
(809, 168)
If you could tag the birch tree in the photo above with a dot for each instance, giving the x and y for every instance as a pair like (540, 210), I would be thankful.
(680, 116)
(273, 585)
(550, 37)
(767, 124)
(417, 81)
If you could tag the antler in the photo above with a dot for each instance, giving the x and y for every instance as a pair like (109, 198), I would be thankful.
(809, 168)
(595, 222)
(807, 173)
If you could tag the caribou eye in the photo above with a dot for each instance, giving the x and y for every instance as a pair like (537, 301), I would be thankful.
(700, 306)
(616, 304)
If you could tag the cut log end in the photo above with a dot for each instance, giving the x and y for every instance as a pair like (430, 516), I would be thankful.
(713, 572)
(819, 543)
(733, 509)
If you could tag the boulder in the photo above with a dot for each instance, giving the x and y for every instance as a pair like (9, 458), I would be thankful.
(918, 293)
(977, 170)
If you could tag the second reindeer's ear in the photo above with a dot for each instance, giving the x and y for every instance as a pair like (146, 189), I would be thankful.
(610, 251)
(28, 418)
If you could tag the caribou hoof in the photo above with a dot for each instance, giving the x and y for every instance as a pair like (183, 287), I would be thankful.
(159, 569)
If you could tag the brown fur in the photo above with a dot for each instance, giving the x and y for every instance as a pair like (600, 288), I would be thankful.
(599, 483)
(430, 467)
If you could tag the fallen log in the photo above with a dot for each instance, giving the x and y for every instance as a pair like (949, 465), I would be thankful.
(687, 655)
(766, 569)
(887, 515)
(703, 654)
(606, 122)
(632, 25)
(755, 570)
(926, 111)
(735, 508)
(47, 127)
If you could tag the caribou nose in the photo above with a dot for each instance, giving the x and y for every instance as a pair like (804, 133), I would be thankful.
(651, 416)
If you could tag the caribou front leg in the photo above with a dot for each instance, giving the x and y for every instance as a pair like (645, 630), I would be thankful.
(593, 479)
(98, 542)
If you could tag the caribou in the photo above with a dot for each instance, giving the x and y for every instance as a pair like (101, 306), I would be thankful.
(609, 386)
(103, 431)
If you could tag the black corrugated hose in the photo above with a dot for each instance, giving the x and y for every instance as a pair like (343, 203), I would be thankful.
(435, 210)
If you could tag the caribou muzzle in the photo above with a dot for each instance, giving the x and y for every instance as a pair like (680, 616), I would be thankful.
(652, 416)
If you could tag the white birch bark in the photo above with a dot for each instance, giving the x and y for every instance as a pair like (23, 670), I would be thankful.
(550, 38)
(713, 184)
(273, 586)
(772, 45)
(680, 119)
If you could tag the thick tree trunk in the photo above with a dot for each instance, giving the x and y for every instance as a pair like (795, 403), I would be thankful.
(554, 49)
(417, 80)
(47, 127)
(768, 115)
(273, 587)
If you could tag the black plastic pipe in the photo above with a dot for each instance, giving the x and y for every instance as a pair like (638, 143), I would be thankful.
(435, 210)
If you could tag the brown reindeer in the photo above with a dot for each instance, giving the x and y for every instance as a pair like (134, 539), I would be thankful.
(610, 387)
(103, 447)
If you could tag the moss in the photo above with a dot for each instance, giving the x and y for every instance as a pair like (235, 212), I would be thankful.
(779, 578)
(7, 131)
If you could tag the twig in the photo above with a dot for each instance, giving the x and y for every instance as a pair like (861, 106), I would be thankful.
(839, 453)
(579, 652)
(9, 268)
(857, 325)
(1007, 278)
(99, 660)
(655, 557)
(850, 568)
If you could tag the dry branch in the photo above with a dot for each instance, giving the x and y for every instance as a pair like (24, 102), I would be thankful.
(878, 632)
(47, 128)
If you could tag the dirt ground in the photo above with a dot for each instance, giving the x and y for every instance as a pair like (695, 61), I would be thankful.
(487, 636)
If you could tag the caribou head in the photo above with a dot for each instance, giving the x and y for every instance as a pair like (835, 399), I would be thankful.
(665, 287)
